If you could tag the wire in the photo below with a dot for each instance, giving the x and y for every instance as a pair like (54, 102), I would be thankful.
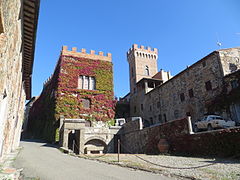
(170, 167)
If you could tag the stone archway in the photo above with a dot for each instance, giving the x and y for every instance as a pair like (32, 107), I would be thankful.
(95, 145)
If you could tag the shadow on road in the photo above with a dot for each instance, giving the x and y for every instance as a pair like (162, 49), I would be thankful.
(46, 144)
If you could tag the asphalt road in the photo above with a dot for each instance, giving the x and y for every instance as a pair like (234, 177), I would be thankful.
(41, 160)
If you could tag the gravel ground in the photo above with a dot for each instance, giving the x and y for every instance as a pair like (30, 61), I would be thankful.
(193, 168)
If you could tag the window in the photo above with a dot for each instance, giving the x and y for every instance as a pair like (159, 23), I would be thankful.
(190, 93)
(86, 103)
(151, 120)
(135, 109)
(141, 107)
(160, 118)
(234, 84)
(146, 70)
(150, 108)
(182, 97)
(165, 118)
(86, 82)
(132, 72)
(158, 104)
(204, 63)
(208, 85)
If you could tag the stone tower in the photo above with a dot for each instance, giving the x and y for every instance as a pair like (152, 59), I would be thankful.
(142, 64)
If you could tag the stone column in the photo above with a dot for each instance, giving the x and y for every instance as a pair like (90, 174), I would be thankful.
(146, 86)
(65, 138)
(81, 141)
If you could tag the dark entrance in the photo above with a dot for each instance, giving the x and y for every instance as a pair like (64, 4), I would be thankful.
(73, 140)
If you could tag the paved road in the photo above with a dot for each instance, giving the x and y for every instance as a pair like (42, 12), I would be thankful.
(48, 163)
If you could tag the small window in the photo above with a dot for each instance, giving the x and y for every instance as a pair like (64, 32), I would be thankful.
(182, 97)
(160, 118)
(165, 118)
(86, 103)
(141, 107)
(158, 104)
(150, 108)
(150, 84)
(208, 85)
(234, 84)
(146, 71)
(132, 72)
(204, 63)
(151, 120)
(135, 109)
(190, 93)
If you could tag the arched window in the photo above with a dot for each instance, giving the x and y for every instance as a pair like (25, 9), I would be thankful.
(146, 70)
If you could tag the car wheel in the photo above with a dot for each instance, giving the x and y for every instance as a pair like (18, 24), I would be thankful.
(209, 127)
(196, 128)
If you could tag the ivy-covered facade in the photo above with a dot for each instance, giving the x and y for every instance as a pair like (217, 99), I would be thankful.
(80, 87)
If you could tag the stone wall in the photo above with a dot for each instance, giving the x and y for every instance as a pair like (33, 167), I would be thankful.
(146, 140)
(218, 143)
(139, 59)
(15, 71)
(189, 92)
(12, 95)
(230, 60)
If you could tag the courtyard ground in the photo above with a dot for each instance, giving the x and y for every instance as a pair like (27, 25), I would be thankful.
(44, 161)
(177, 166)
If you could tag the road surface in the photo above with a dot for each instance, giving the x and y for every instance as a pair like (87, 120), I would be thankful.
(41, 160)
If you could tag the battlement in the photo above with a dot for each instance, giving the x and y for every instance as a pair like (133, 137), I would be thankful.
(143, 49)
(84, 54)
(47, 81)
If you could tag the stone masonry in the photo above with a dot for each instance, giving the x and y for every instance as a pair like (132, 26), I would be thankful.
(14, 78)
(186, 94)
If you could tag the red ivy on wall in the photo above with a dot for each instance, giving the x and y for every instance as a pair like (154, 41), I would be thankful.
(68, 100)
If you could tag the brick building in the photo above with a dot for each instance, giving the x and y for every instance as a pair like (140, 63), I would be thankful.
(159, 98)
(18, 25)
(81, 87)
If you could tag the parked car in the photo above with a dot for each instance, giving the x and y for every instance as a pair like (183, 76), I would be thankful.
(211, 122)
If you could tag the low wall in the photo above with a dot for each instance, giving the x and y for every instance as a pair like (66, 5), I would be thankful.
(218, 143)
(146, 140)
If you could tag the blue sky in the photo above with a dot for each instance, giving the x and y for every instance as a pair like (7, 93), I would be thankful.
(183, 31)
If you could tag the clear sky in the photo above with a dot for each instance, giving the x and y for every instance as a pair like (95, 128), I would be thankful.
(184, 31)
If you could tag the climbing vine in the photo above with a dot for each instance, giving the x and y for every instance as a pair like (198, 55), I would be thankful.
(226, 98)
(61, 96)
(69, 97)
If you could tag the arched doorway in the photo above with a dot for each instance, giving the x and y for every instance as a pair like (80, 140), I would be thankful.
(95, 146)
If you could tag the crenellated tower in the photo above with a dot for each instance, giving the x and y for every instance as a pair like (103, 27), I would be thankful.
(142, 64)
